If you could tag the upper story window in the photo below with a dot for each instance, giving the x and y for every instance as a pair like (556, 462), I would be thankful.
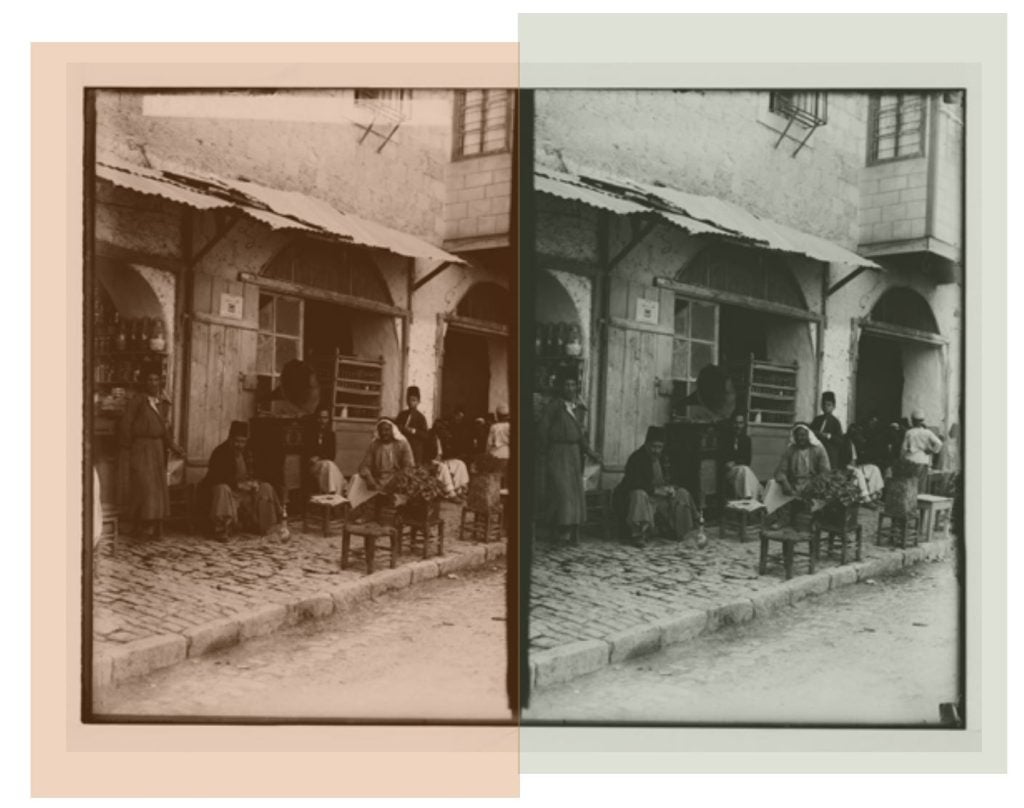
(397, 102)
(809, 108)
(483, 122)
(897, 127)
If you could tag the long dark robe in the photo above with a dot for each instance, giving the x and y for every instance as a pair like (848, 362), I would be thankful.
(830, 433)
(258, 509)
(562, 443)
(414, 419)
(144, 436)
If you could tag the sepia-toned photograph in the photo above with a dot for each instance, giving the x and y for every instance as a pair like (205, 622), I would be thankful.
(745, 474)
(300, 407)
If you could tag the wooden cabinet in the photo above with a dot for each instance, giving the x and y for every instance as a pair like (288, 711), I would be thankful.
(766, 391)
(357, 384)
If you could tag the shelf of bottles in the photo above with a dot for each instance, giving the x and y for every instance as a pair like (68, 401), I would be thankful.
(125, 351)
(558, 353)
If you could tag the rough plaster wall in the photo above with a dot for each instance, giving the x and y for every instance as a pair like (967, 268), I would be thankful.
(567, 230)
(719, 144)
(136, 222)
(403, 186)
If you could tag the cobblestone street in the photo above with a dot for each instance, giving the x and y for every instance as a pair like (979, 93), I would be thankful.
(883, 653)
(147, 589)
(599, 588)
(435, 651)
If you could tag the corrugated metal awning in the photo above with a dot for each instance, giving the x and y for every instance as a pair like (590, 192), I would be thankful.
(701, 215)
(280, 210)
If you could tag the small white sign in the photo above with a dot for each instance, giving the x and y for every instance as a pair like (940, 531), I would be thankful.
(231, 306)
(647, 311)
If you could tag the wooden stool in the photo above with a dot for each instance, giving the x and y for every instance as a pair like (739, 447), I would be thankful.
(485, 526)
(742, 515)
(426, 526)
(930, 509)
(847, 530)
(905, 526)
(789, 539)
(322, 506)
(370, 532)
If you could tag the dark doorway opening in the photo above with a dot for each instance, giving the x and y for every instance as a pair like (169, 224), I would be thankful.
(466, 376)
(327, 330)
(879, 379)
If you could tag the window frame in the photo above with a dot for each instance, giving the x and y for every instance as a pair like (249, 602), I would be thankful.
(874, 109)
(379, 98)
(458, 128)
(274, 334)
(816, 117)
(688, 340)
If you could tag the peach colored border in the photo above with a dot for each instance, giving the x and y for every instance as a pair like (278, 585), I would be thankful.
(72, 759)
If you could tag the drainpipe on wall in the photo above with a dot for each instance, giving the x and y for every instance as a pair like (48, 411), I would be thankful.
(933, 157)
(185, 299)
(820, 353)
(405, 335)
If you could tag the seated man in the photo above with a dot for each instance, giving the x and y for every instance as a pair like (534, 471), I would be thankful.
(236, 498)
(803, 459)
(734, 459)
(319, 448)
(644, 501)
(389, 451)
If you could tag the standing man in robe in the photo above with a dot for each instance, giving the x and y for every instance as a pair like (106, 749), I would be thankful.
(413, 425)
(828, 429)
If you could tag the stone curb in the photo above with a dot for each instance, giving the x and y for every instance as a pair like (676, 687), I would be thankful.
(141, 657)
(566, 662)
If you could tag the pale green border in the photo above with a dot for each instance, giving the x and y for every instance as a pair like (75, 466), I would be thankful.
(849, 51)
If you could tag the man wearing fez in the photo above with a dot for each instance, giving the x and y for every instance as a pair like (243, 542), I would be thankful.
(645, 504)
(236, 498)
(413, 424)
(828, 429)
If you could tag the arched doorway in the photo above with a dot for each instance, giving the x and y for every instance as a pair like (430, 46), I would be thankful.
(557, 321)
(474, 371)
(900, 359)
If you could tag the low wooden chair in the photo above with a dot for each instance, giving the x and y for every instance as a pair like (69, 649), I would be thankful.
(790, 540)
(387, 525)
(482, 515)
(428, 525)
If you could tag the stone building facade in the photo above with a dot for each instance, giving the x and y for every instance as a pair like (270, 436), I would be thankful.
(875, 175)
(399, 161)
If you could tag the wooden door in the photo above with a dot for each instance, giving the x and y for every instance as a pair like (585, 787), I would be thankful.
(466, 374)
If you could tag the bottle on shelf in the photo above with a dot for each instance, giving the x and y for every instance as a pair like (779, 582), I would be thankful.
(574, 343)
(120, 334)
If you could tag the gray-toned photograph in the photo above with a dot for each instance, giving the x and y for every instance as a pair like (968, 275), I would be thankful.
(746, 375)
(299, 312)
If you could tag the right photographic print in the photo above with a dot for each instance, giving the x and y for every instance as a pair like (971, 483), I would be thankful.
(743, 332)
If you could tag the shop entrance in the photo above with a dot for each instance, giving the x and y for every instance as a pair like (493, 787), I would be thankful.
(466, 375)
(879, 379)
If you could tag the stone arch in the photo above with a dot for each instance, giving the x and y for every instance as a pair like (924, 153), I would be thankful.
(904, 307)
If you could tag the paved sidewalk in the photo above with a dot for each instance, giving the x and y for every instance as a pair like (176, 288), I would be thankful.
(605, 600)
(158, 602)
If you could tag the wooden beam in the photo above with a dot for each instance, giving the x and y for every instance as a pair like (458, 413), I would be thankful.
(733, 299)
(213, 319)
(431, 275)
(477, 326)
(339, 299)
(634, 242)
(633, 325)
(900, 332)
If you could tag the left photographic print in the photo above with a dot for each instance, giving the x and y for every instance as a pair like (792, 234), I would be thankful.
(300, 388)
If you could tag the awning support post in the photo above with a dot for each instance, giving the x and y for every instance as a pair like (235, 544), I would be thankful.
(844, 280)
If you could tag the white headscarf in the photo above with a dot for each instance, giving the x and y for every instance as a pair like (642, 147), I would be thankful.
(394, 429)
(810, 434)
